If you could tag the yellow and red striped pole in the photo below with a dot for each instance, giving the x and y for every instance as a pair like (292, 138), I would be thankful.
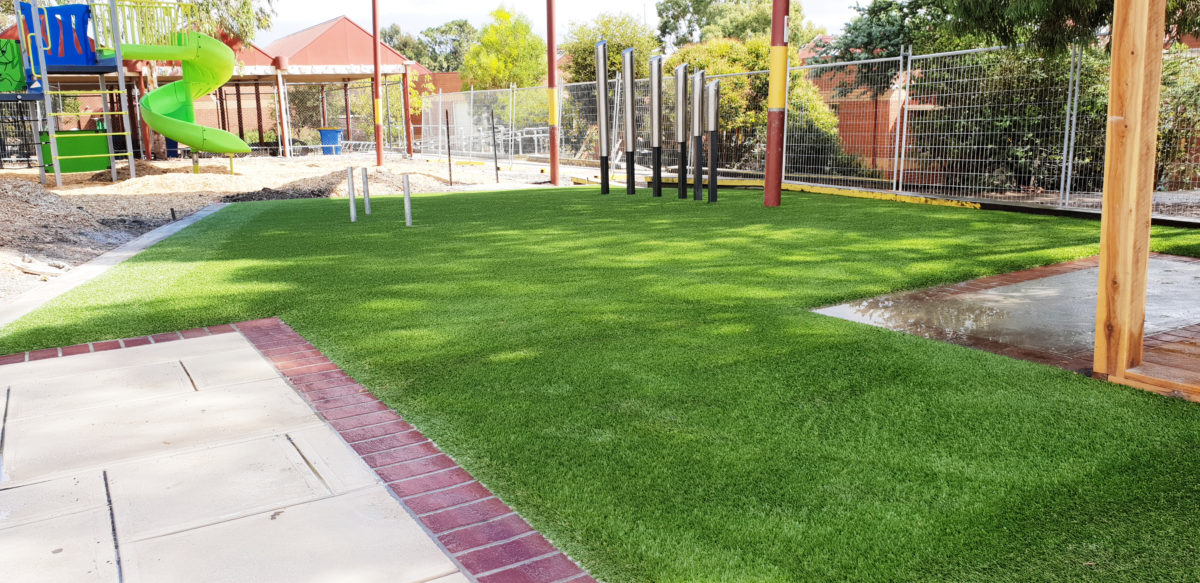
(776, 103)
(552, 84)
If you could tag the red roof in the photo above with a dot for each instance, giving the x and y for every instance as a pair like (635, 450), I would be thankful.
(335, 42)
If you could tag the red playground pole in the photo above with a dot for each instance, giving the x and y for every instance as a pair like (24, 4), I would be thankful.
(776, 103)
(377, 84)
(552, 84)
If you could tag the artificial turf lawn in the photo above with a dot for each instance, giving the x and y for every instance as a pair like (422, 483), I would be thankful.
(642, 379)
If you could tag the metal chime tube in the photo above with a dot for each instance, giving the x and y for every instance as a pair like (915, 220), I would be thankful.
(656, 122)
(602, 111)
(681, 133)
(698, 134)
(630, 127)
(714, 114)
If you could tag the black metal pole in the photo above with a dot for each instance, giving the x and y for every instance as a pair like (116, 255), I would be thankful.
(630, 187)
(657, 170)
(603, 174)
(712, 166)
(698, 172)
(495, 156)
(449, 164)
(683, 170)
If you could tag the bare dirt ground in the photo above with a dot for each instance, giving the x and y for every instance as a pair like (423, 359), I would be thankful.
(47, 230)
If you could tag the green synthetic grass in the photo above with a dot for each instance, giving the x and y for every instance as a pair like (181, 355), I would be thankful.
(642, 379)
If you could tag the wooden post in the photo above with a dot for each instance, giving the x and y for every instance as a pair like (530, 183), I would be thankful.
(1133, 110)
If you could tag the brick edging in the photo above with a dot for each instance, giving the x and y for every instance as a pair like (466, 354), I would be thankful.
(488, 539)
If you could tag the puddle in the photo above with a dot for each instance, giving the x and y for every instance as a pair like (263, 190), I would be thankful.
(1054, 314)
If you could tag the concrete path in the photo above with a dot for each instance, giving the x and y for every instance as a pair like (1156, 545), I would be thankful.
(191, 460)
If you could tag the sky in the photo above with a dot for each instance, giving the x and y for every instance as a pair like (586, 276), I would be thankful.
(414, 16)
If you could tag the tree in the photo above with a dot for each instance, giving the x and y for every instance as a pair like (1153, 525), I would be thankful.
(446, 46)
(507, 53)
(680, 21)
(621, 31)
(883, 27)
(1054, 25)
(404, 43)
(744, 106)
(233, 19)
(746, 19)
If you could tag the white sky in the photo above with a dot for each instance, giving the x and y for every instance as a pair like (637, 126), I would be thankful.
(414, 16)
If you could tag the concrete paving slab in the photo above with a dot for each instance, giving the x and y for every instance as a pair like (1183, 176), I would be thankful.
(200, 463)
(363, 537)
(182, 491)
(339, 467)
(97, 388)
(75, 547)
(22, 505)
(54, 444)
(1053, 314)
(125, 357)
(226, 368)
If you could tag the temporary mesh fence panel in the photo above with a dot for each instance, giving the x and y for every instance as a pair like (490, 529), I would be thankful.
(842, 123)
(998, 124)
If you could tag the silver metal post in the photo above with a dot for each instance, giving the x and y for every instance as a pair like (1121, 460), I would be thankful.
(366, 193)
(713, 98)
(407, 203)
(51, 123)
(681, 129)
(1062, 169)
(698, 134)
(656, 123)
(1074, 130)
(899, 130)
(627, 75)
(908, 88)
(602, 110)
(350, 193)
(117, 39)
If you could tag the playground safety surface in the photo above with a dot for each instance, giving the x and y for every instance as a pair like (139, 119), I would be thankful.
(1045, 315)
(235, 453)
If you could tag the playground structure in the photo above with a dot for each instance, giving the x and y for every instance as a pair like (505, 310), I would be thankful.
(85, 46)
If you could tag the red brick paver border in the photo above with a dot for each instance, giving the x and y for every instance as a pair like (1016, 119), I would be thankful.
(489, 540)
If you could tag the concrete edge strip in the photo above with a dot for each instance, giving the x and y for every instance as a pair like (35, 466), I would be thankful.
(490, 542)
(36, 297)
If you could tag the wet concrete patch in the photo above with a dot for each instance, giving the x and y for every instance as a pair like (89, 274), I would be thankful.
(1048, 319)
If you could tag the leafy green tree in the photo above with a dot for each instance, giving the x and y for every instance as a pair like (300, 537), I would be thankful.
(621, 31)
(404, 43)
(508, 52)
(680, 21)
(744, 106)
(746, 19)
(1056, 24)
(883, 27)
(446, 46)
(237, 19)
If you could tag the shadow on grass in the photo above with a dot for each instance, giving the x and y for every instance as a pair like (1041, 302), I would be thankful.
(643, 380)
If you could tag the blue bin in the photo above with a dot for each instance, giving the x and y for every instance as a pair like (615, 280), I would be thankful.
(331, 141)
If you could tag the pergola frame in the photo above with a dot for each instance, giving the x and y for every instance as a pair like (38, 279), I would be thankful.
(1130, 151)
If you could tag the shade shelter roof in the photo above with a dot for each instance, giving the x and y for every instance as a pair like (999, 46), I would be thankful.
(338, 48)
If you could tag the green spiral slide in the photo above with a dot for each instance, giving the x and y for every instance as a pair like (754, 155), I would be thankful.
(207, 64)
